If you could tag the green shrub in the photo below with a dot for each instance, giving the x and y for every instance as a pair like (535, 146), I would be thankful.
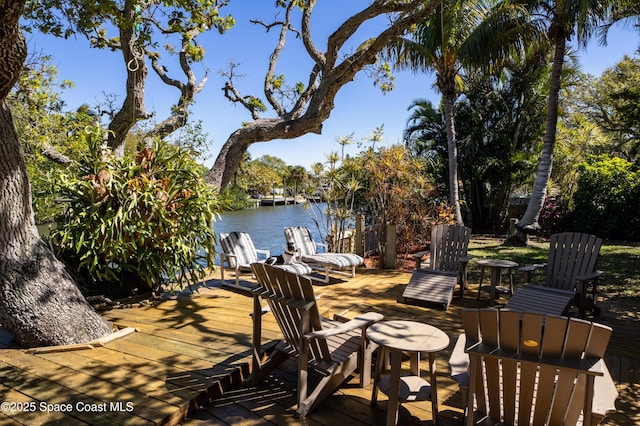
(236, 198)
(607, 200)
(141, 221)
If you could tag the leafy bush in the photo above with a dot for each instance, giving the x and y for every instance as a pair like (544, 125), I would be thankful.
(607, 200)
(235, 198)
(397, 192)
(140, 221)
(551, 217)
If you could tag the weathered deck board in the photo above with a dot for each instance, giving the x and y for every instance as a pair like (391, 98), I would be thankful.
(189, 349)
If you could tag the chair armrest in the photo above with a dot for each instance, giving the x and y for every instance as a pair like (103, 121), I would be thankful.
(531, 268)
(590, 276)
(604, 393)
(227, 257)
(266, 253)
(362, 321)
(466, 259)
(527, 270)
(459, 362)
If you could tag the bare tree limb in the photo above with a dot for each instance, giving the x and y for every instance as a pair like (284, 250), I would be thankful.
(54, 155)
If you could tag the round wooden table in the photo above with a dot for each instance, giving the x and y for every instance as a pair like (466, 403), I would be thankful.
(395, 338)
(496, 266)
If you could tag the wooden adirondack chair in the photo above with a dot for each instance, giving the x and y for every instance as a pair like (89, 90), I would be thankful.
(331, 349)
(571, 276)
(447, 258)
(527, 368)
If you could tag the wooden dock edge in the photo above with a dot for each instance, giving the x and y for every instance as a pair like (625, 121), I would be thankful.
(208, 396)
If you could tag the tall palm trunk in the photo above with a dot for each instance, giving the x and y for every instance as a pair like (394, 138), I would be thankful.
(39, 302)
(529, 222)
(452, 149)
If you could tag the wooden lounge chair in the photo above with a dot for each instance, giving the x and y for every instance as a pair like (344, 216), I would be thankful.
(329, 350)
(239, 253)
(529, 368)
(307, 251)
(448, 261)
(571, 276)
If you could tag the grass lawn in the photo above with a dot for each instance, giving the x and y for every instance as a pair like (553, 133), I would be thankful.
(619, 261)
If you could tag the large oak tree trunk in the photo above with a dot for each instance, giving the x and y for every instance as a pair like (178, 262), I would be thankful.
(39, 302)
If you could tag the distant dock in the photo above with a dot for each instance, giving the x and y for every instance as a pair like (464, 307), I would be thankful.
(281, 201)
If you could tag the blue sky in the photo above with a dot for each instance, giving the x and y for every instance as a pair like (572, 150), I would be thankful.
(359, 107)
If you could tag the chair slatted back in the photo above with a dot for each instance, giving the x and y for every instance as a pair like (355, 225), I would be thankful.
(293, 304)
(511, 386)
(302, 239)
(449, 243)
(241, 245)
(571, 254)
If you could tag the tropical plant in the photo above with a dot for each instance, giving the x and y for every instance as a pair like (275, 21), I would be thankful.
(460, 34)
(344, 141)
(334, 217)
(136, 223)
(397, 192)
(498, 132)
(625, 12)
(297, 176)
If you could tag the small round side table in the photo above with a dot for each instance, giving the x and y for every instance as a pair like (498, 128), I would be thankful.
(395, 338)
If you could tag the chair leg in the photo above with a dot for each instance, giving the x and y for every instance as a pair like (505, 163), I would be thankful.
(510, 282)
(326, 274)
(365, 356)
(480, 285)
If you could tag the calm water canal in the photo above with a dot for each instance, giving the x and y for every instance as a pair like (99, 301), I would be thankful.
(266, 225)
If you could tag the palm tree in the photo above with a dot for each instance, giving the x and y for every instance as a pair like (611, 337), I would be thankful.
(564, 19)
(344, 141)
(298, 175)
(625, 12)
(463, 32)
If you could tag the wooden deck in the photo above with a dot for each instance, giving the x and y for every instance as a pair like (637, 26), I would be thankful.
(186, 362)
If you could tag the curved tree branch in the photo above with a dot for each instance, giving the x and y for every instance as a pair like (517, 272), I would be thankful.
(316, 102)
(313, 52)
(273, 59)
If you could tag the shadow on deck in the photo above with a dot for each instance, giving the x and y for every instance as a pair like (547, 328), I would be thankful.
(190, 354)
